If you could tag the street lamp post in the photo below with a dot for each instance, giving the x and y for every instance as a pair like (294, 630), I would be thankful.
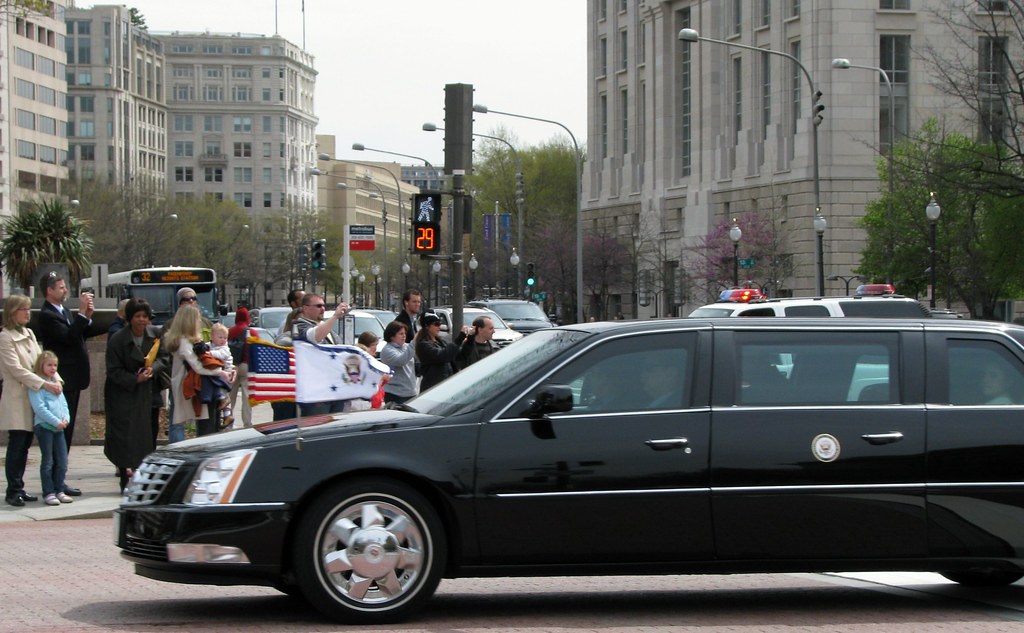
(477, 107)
(405, 275)
(359, 147)
(436, 267)
(375, 271)
(514, 260)
(846, 279)
(820, 224)
(844, 64)
(692, 35)
(473, 264)
(735, 233)
(933, 210)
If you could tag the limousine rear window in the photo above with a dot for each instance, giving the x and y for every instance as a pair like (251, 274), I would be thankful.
(884, 309)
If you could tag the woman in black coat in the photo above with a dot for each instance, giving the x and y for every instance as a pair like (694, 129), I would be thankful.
(435, 356)
(130, 391)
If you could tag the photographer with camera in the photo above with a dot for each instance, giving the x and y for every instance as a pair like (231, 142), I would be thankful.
(478, 343)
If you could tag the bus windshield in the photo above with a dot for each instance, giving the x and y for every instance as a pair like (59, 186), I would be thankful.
(164, 300)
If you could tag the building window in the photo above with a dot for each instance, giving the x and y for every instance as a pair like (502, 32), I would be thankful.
(213, 174)
(184, 93)
(183, 149)
(602, 59)
(243, 150)
(87, 129)
(903, 5)
(242, 123)
(213, 92)
(214, 72)
(766, 94)
(182, 174)
(992, 88)
(267, 199)
(602, 122)
(212, 148)
(895, 61)
(268, 175)
(212, 123)
(737, 98)
(48, 154)
(685, 110)
(624, 119)
(26, 149)
(213, 49)
(795, 90)
(241, 93)
(182, 122)
(244, 200)
(736, 16)
(243, 174)
(241, 72)
(87, 104)
(25, 89)
(241, 50)
(794, 8)
(623, 49)
(25, 119)
(87, 152)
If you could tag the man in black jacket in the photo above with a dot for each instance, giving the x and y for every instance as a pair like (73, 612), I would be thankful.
(64, 334)
(478, 343)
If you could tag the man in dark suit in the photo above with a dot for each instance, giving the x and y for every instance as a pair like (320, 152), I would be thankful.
(64, 334)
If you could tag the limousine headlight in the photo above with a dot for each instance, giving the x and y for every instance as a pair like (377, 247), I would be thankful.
(218, 478)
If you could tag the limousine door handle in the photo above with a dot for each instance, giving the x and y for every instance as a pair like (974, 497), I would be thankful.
(882, 438)
(668, 444)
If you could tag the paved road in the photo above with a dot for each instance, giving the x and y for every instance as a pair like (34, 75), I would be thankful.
(66, 576)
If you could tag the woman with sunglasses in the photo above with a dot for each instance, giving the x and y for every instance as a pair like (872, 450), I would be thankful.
(435, 355)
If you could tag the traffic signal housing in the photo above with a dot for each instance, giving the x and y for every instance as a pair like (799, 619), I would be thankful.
(426, 223)
(302, 256)
(531, 279)
(318, 256)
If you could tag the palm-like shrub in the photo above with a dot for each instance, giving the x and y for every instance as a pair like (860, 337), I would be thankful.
(46, 233)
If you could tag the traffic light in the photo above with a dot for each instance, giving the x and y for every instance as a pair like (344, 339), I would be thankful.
(530, 278)
(302, 256)
(818, 109)
(319, 255)
(426, 223)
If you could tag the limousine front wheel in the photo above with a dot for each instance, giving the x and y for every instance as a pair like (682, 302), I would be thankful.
(369, 551)
(983, 577)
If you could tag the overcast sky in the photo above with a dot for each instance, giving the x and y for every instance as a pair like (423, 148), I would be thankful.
(383, 64)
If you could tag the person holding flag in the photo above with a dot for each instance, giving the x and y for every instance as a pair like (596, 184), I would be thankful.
(311, 327)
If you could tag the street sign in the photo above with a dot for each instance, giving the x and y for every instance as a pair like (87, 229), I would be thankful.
(747, 262)
(361, 237)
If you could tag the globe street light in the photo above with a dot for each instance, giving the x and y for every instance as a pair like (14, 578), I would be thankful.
(473, 264)
(691, 35)
(405, 274)
(477, 107)
(375, 271)
(820, 224)
(436, 267)
(844, 64)
(735, 233)
(933, 211)
(514, 260)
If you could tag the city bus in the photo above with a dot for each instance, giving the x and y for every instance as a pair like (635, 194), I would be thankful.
(159, 286)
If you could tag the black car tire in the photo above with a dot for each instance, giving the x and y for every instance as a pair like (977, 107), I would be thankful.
(983, 577)
(369, 551)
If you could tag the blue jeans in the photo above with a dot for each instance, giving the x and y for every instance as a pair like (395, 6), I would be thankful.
(54, 463)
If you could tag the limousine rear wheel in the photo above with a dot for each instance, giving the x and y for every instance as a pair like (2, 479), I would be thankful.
(369, 551)
(983, 577)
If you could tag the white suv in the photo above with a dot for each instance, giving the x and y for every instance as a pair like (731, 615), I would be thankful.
(888, 306)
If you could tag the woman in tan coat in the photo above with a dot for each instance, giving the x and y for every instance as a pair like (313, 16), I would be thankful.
(184, 332)
(18, 353)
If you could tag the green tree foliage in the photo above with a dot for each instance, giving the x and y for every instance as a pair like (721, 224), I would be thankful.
(549, 241)
(48, 232)
(978, 254)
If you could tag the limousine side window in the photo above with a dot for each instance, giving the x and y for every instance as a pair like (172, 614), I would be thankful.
(637, 373)
(821, 368)
(984, 373)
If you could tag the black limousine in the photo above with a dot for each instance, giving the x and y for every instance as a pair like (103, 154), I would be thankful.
(658, 447)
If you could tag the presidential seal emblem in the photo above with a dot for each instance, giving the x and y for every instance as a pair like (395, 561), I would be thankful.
(825, 447)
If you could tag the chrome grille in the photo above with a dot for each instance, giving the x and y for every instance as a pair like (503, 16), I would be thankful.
(149, 480)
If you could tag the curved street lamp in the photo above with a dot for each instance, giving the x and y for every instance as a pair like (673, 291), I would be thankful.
(692, 35)
(478, 107)
(844, 64)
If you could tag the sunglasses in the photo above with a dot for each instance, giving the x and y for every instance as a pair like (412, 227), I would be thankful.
(189, 299)
(316, 305)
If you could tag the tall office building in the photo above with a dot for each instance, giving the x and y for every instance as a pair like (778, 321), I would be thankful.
(33, 136)
(240, 120)
(117, 112)
(684, 136)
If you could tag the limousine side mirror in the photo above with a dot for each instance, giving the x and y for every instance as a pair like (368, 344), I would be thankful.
(550, 399)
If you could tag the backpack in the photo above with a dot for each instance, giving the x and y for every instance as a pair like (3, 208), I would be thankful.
(237, 347)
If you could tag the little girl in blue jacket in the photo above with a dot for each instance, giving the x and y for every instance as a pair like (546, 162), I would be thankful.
(51, 416)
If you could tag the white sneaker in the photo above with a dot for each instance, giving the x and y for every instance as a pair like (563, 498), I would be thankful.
(63, 498)
(51, 500)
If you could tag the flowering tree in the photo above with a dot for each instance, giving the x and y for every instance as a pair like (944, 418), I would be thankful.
(712, 263)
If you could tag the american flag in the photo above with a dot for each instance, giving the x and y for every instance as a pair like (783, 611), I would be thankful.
(271, 372)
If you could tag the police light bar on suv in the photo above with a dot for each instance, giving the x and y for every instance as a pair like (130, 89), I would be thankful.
(875, 290)
(741, 295)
